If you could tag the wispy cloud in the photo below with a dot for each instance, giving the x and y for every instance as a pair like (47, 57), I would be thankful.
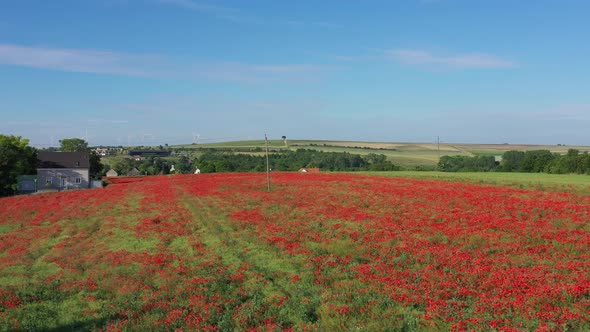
(255, 73)
(198, 6)
(221, 12)
(116, 63)
(239, 15)
(75, 60)
(470, 60)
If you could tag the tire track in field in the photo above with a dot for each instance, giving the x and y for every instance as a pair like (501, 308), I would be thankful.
(238, 249)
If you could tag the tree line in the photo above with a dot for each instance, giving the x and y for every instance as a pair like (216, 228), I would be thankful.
(534, 161)
(219, 161)
(294, 160)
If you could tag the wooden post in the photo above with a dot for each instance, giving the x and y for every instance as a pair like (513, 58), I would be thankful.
(267, 163)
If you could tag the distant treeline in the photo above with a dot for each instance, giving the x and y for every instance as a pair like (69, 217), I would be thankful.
(292, 161)
(217, 161)
(535, 161)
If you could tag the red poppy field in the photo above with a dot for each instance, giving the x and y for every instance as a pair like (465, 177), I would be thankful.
(216, 252)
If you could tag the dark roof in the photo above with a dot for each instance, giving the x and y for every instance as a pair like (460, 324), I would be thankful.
(134, 172)
(63, 160)
(147, 153)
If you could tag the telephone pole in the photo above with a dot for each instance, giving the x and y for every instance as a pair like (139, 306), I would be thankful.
(267, 163)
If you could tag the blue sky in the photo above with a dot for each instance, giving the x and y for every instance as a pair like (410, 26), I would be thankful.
(162, 71)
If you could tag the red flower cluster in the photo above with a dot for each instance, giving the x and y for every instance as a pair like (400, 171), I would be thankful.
(321, 251)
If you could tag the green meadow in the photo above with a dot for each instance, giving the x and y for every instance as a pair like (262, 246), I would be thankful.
(543, 181)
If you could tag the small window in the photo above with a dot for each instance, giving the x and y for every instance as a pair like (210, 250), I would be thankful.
(47, 180)
(78, 180)
(77, 163)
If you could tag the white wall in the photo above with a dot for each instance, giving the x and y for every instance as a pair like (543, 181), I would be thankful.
(56, 175)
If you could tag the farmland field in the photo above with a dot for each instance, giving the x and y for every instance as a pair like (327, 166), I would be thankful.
(407, 155)
(319, 252)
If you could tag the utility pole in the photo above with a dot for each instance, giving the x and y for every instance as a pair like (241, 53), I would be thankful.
(267, 164)
(438, 146)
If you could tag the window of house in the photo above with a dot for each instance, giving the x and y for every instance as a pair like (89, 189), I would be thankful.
(78, 180)
(77, 163)
(47, 180)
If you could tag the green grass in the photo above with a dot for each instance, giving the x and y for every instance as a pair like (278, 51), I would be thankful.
(575, 182)
(7, 228)
(126, 240)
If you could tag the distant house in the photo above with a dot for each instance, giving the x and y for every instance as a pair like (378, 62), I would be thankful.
(63, 170)
(112, 173)
(309, 170)
(134, 172)
(102, 152)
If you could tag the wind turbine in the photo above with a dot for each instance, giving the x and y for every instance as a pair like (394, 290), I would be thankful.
(196, 138)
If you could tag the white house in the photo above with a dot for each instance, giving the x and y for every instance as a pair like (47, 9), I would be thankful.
(63, 170)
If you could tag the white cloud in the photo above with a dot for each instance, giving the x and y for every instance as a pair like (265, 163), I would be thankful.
(74, 60)
(238, 15)
(471, 60)
(115, 63)
(217, 11)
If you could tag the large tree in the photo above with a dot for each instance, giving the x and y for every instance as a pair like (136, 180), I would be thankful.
(73, 145)
(16, 158)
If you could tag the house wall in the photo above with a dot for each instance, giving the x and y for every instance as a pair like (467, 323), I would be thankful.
(95, 183)
(56, 175)
(25, 186)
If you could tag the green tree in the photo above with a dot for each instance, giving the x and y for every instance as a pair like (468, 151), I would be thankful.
(97, 169)
(183, 166)
(467, 164)
(512, 161)
(537, 161)
(585, 163)
(73, 145)
(124, 165)
(16, 158)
